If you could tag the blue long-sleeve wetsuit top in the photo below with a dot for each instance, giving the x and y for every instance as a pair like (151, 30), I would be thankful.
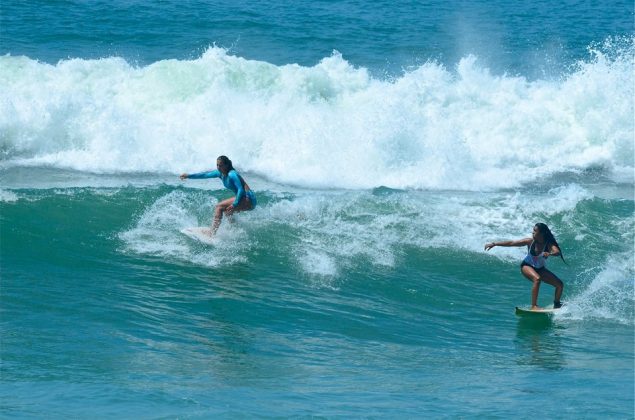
(231, 181)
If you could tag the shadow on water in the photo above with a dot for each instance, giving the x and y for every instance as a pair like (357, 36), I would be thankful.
(538, 341)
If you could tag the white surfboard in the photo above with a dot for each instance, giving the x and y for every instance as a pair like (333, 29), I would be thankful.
(200, 233)
(536, 312)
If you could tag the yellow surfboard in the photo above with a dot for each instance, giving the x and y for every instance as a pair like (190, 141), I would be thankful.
(536, 312)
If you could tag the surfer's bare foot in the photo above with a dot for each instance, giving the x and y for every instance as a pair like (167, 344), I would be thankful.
(535, 308)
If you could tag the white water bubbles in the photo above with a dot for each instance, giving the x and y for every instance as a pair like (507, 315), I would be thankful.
(331, 232)
(605, 292)
(7, 196)
(157, 231)
(433, 127)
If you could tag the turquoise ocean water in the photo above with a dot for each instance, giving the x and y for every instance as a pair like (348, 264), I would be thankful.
(387, 142)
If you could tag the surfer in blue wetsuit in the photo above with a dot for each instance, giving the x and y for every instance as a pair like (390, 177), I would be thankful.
(540, 246)
(245, 199)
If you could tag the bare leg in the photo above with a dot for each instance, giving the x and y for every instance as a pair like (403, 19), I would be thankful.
(223, 208)
(532, 275)
(220, 209)
(550, 278)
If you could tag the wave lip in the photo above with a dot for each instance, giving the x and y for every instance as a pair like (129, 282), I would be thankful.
(330, 125)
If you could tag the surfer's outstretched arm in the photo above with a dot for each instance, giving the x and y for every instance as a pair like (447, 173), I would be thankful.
(518, 242)
(201, 175)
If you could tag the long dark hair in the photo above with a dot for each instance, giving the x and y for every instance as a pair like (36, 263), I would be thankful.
(230, 167)
(549, 238)
(226, 162)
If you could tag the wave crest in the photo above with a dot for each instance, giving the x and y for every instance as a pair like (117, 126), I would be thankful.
(330, 125)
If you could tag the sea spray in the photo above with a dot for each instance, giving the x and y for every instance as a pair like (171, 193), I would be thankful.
(331, 125)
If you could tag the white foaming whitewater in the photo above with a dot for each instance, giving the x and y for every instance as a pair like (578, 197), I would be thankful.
(429, 128)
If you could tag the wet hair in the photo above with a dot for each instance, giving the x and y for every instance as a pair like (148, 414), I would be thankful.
(228, 163)
(225, 160)
(549, 238)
